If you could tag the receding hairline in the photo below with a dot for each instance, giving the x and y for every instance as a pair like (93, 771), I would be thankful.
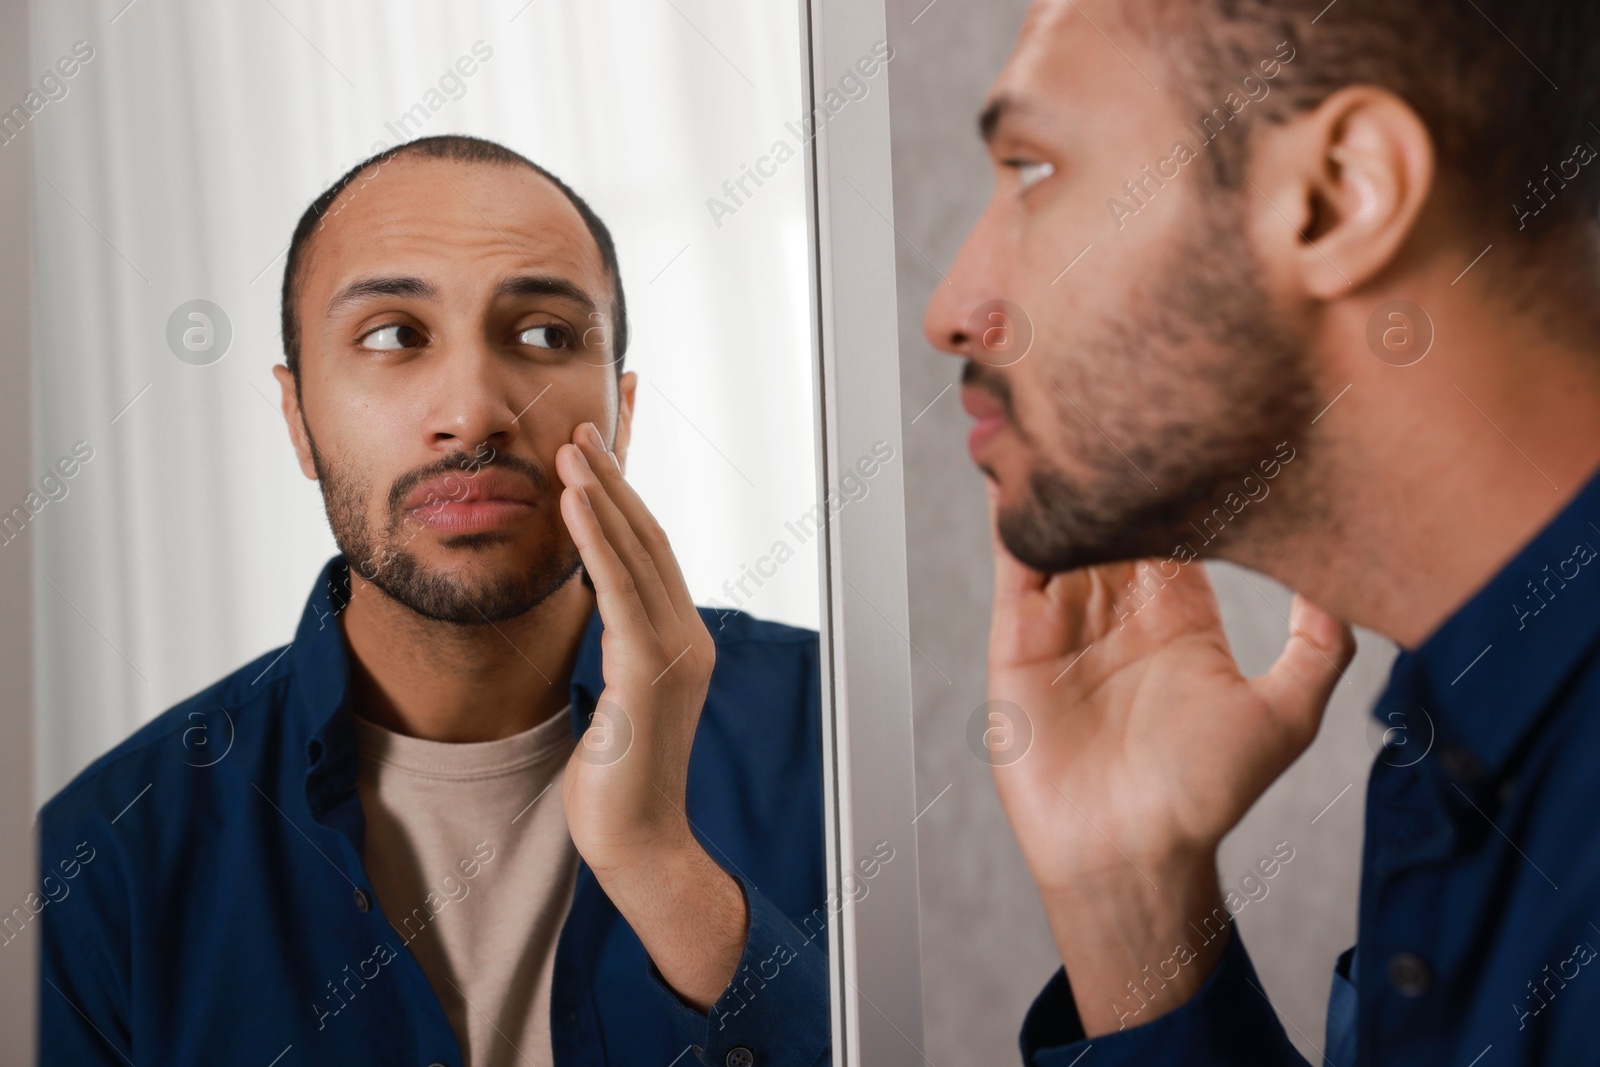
(303, 264)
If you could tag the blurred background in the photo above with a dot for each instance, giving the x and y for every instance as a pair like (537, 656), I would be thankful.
(172, 166)
(986, 951)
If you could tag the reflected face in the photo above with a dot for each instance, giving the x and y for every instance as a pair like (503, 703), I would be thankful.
(452, 319)
(1127, 365)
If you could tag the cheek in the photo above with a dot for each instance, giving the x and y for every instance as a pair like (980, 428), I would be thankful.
(554, 419)
(1053, 404)
(360, 443)
(1036, 400)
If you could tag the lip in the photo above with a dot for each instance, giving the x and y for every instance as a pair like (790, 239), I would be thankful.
(991, 419)
(459, 502)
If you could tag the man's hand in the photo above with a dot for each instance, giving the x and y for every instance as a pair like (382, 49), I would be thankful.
(1148, 746)
(624, 785)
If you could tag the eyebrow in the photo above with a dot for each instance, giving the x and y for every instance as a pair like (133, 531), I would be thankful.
(366, 288)
(998, 110)
(417, 289)
(989, 120)
(545, 285)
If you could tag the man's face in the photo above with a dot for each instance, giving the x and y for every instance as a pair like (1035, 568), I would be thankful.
(453, 321)
(1157, 373)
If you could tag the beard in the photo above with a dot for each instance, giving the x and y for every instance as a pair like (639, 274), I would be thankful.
(435, 593)
(1197, 378)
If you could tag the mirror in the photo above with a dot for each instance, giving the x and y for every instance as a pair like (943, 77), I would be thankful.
(339, 760)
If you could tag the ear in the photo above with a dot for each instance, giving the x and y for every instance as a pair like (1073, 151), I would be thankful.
(627, 386)
(296, 420)
(1352, 177)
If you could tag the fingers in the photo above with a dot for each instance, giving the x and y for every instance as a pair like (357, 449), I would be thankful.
(612, 552)
(619, 605)
(641, 523)
(1299, 684)
(1027, 623)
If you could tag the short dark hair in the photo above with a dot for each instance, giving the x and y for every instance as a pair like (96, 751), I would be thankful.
(462, 149)
(1483, 76)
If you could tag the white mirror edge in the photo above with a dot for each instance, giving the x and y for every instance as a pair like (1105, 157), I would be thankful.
(18, 868)
(874, 946)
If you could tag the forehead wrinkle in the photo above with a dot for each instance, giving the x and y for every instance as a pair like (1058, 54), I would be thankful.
(1050, 47)
(486, 206)
(518, 245)
(428, 214)
(395, 256)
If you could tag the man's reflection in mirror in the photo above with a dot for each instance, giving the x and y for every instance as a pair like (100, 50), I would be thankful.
(506, 798)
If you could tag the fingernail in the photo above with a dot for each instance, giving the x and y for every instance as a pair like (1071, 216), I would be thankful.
(595, 438)
(584, 460)
(583, 497)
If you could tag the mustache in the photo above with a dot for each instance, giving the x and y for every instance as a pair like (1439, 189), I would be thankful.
(467, 464)
(978, 376)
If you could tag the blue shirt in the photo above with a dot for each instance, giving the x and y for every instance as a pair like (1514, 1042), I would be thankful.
(1479, 918)
(203, 899)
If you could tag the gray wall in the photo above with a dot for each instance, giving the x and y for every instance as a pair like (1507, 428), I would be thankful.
(986, 950)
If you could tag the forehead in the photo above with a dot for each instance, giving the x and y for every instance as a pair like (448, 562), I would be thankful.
(1086, 57)
(452, 223)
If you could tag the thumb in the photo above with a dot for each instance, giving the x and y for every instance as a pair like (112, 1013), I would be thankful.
(1300, 682)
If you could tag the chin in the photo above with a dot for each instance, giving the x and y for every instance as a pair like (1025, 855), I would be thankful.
(480, 545)
(478, 591)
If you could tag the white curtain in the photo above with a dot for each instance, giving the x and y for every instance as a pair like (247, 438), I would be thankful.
(172, 165)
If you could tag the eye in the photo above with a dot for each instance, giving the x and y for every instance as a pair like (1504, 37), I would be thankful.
(546, 335)
(392, 338)
(1030, 173)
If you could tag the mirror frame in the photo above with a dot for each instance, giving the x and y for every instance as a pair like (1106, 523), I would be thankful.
(874, 949)
(19, 868)
(869, 781)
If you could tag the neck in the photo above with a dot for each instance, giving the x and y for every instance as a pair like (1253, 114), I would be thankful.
(447, 682)
(1423, 482)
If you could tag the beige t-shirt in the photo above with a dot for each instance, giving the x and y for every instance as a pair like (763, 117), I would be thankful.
(468, 852)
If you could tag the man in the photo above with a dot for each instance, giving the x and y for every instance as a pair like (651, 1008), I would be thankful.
(1343, 255)
(457, 821)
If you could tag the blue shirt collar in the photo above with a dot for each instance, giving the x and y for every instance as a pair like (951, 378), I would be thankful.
(321, 668)
(1485, 675)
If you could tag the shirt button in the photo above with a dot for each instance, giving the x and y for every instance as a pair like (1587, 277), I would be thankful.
(363, 905)
(739, 1056)
(1409, 974)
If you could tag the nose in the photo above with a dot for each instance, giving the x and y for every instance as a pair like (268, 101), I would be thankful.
(472, 404)
(971, 282)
